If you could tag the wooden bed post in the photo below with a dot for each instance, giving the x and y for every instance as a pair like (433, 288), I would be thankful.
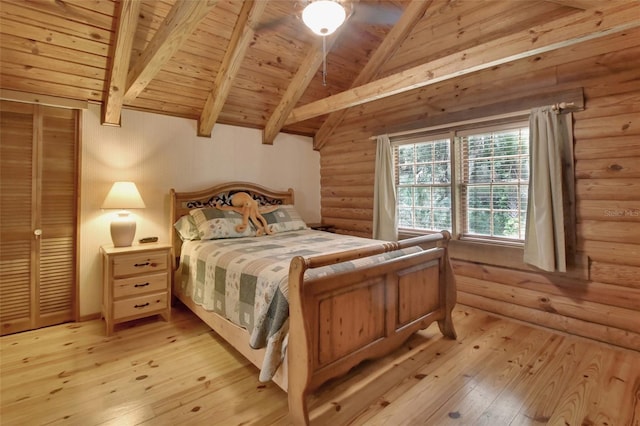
(298, 350)
(448, 291)
(172, 232)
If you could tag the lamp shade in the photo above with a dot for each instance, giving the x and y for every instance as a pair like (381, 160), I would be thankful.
(323, 17)
(123, 195)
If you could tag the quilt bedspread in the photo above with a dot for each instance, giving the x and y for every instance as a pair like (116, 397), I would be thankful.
(245, 280)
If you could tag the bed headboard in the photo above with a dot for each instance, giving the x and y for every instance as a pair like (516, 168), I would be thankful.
(183, 202)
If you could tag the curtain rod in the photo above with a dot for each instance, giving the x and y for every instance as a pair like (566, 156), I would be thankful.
(562, 106)
(558, 107)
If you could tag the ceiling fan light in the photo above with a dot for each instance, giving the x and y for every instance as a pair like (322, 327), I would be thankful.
(323, 17)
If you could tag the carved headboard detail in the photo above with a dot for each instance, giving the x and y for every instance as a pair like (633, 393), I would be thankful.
(225, 200)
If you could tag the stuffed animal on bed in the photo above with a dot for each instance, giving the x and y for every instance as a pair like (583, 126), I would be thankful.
(244, 204)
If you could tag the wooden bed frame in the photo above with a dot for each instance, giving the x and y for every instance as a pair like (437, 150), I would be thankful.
(338, 321)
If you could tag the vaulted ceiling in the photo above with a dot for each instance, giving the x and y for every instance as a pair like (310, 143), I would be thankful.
(254, 63)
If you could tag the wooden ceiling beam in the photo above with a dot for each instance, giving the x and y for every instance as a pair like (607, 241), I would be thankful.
(298, 86)
(242, 36)
(561, 33)
(577, 4)
(125, 33)
(182, 20)
(413, 13)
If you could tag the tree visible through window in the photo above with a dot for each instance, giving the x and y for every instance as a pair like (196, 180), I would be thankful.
(488, 186)
(495, 182)
(424, 185)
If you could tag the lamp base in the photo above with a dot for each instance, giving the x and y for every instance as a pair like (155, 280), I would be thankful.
(123, 229)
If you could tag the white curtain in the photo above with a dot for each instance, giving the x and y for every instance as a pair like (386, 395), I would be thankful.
(384, 193)
(550, 138)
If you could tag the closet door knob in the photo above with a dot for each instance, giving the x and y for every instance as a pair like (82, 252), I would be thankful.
(37, 233)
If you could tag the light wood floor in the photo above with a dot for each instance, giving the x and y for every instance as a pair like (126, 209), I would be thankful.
(498, 372)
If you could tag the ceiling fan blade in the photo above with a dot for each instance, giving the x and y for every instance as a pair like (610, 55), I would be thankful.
(272, 23)
(376, 14)
(284, 13)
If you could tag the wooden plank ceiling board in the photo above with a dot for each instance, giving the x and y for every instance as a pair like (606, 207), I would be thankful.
(415, 11)
(299, 83)
(242, 34)
(179, 24)
(176, 57)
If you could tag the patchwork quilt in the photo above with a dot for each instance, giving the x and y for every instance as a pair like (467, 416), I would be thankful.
(245, 280)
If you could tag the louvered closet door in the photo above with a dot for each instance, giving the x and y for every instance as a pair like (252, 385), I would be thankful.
(58, 211)
(17, 221)
(39, 216)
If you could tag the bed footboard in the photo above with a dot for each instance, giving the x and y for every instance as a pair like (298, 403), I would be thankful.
(338, 321)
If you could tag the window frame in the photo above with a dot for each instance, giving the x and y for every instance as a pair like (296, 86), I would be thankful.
(414, 140)
(454, 134)
(463, 211)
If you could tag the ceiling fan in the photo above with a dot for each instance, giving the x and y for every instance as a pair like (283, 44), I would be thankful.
(324, 17)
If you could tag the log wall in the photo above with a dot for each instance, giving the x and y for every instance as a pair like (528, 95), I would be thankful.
(605, 306)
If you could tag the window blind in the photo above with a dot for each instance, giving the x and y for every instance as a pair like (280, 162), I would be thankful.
(494, 181)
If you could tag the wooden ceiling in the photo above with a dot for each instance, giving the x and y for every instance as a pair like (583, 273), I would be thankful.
(255, 64)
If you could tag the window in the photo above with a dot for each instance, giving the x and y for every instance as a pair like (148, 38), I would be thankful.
(495, 182)
(424, 185)
(472, 182)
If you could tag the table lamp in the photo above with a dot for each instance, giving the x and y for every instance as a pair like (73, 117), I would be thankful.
(123, 196)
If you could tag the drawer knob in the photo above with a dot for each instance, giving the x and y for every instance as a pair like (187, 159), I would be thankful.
(142, 306)
(141, 285)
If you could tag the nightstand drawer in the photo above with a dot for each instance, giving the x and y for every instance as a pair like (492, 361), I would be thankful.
(139, 263)
(141, 284)
(139, 305)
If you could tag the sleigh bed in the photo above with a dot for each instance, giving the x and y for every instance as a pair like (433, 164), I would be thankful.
(328, 309)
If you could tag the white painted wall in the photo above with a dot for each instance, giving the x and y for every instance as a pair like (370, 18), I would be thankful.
(159, 153)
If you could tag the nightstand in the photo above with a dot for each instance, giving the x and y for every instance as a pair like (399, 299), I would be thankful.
(136, 282)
